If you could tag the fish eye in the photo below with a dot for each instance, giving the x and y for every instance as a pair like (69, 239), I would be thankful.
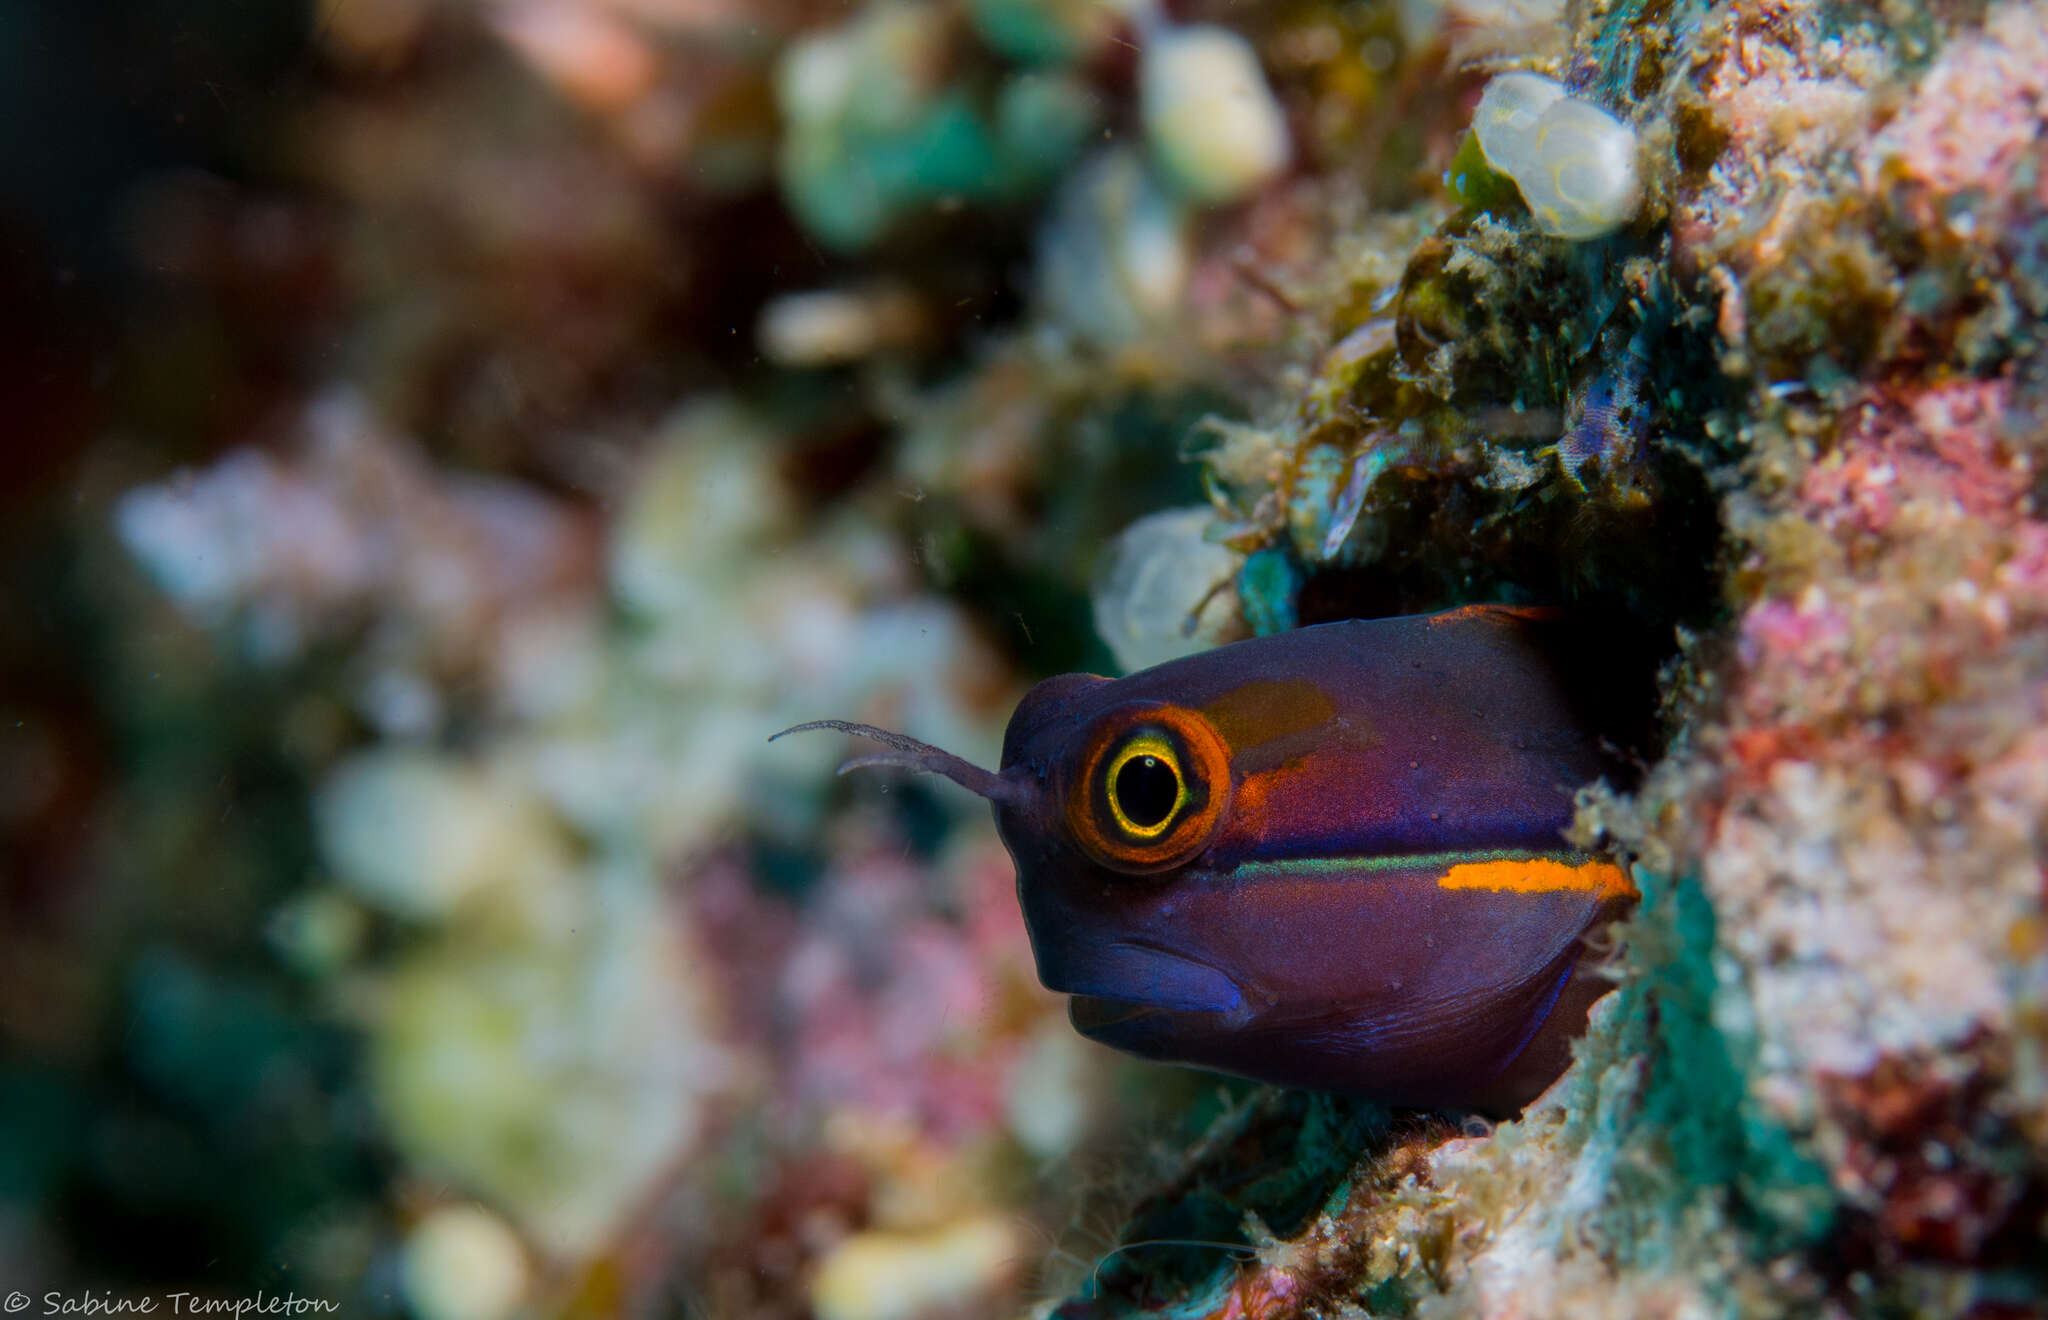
(1148, 788)
(1145, 787)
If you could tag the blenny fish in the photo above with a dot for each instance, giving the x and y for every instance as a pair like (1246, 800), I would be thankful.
(1332, 858)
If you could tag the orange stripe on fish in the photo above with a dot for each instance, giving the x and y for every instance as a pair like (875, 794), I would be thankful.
(1541, 875)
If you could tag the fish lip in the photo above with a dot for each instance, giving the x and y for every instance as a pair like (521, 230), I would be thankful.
(1150, 1029)
(1093, 1015)
(1129, 979)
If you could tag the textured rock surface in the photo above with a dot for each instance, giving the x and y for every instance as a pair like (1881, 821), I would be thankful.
(1819, 1086)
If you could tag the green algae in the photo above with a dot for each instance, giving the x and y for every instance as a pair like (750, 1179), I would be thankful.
(1475, 183)
(1269, 1170)
(1268, 586)
(1040, 32)
(1630, 45)
(1683, 1014)
(888, 117)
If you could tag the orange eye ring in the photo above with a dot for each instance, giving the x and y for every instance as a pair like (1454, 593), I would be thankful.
(1150, 789)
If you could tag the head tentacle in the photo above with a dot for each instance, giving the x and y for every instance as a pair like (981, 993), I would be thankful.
(910, 754)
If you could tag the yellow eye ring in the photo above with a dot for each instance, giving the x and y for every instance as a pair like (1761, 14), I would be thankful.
(1150, 788)
(1145, 786)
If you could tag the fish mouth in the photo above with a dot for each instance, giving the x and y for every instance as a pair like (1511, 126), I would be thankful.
(1153, 1030)
(1100, 1017)
(1126, 994)
(1092, 1013)
(1139, 973)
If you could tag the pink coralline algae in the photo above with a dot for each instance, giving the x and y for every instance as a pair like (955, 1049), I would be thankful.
(867, 998)
(1977, 120)
(893, 1038)
(1899, 449)
(1873, 855)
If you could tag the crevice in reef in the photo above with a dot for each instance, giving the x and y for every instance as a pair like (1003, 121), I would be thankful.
(1535, 425)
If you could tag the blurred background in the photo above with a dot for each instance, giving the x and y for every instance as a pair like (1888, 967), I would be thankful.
(446, 438)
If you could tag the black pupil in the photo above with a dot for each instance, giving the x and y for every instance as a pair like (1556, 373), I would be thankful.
(1147, 788)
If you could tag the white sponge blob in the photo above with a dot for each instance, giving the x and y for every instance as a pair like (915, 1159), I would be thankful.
(1213, 122)
(1574, 162)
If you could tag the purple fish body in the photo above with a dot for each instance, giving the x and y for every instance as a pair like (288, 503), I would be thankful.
(1330, 858)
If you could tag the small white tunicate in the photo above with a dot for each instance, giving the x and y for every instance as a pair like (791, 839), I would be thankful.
(1113, 256)
(1214, 125)
(830, 327)
(1505, 121)
(884, 1274)
(463, 1263)
(1163, 575)
(1574, 162)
